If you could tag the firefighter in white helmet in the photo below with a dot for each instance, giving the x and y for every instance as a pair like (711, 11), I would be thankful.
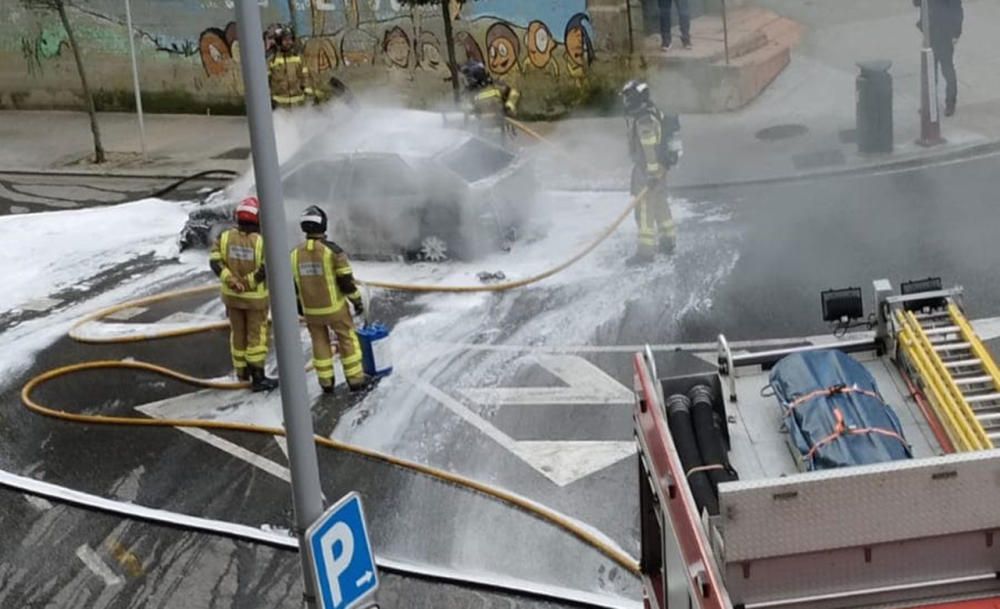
(237, 258)
(324, 283)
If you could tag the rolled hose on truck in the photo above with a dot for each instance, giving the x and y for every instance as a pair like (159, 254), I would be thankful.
(682, 431)
(708, 432)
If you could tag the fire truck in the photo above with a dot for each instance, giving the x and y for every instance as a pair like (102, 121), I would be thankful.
(855, 470)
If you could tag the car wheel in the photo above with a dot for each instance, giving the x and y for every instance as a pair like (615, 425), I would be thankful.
(433, 249)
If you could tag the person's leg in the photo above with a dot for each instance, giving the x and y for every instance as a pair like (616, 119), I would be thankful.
(664, 22)
(944, 55)
(684, 17)
(666, 229)
(238, 341)
(322, 355)
(349, 348)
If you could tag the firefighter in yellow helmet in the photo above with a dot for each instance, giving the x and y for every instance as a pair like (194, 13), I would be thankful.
(324, 283)
(289, 76)
(237, 258)
(655, 146)
(490, 102)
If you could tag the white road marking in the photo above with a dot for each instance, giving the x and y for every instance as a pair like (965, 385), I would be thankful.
(586, 384)
(39, 503)
(40, 305)
(561, 462)
(127, 314)
(186, 407)
(283, 445)
(566, 462)
(97, 565)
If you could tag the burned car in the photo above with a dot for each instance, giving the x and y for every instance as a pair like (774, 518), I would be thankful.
(392, 192)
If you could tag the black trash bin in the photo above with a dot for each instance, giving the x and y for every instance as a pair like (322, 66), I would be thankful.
(874, 111)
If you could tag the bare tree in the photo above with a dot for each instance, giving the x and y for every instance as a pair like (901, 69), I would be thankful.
(60, 7)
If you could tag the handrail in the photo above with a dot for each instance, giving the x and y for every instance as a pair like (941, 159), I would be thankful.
(730, 372)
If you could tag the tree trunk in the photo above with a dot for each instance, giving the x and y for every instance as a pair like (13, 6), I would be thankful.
(449, 40)
(291, 17)
(91, 108)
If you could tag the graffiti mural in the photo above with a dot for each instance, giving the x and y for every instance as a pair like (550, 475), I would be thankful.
(529, 43)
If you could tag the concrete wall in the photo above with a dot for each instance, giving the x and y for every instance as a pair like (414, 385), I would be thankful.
(559, 52)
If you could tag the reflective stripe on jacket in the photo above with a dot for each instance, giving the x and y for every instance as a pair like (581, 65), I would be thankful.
(241, 255)
(320, 273)
(289, 79)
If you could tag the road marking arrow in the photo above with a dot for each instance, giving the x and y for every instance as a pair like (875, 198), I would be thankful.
(562, 462)
(585, 384)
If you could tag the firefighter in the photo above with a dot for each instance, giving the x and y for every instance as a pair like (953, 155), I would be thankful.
(288, 75)
(490, 102)
(237, 258)
(324, 284)
(655, 147)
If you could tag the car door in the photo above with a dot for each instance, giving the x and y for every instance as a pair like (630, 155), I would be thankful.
(384, 205)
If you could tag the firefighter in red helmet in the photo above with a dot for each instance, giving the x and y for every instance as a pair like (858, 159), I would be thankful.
(237, 258)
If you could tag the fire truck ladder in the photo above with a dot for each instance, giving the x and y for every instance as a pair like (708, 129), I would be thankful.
(957, 372)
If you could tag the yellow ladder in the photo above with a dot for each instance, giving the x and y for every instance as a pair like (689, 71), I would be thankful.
(957, 372)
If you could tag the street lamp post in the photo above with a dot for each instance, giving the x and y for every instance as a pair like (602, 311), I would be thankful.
(307, 499)
(930, 110)
(135, 77)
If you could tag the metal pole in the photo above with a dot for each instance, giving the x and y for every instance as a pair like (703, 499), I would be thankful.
(135, 78)
(307, 499)
(930, 112)
(725, 30)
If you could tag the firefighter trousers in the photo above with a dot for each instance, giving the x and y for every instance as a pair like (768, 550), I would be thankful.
(347, 346)
(248, 333)
(652, 215)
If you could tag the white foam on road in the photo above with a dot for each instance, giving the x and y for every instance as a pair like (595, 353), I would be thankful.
(41, 254)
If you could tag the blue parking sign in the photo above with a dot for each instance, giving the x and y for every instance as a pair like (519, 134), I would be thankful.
(341, 555)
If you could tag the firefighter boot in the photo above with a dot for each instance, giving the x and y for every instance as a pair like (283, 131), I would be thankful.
(367, 384)
(327, 388)
(259, 381)
(668, 244)
(242, 374)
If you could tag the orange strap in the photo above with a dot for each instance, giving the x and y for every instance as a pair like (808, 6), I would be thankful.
(834, 390)
(841, 429)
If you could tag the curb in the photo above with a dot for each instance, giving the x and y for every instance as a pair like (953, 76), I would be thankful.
(970, 151)
(966, 152)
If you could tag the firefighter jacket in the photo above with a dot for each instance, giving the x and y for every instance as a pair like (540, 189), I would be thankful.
(324, 280)
(290, 80)
(493, 103)
(654, 141)
(238, 259)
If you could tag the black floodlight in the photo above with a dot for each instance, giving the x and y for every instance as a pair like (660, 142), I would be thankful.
(842, 305)
(919, 286)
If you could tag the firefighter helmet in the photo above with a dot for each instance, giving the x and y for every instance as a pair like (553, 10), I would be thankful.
(248, 211)
(313, 221)
(475, 75)
(635, 96)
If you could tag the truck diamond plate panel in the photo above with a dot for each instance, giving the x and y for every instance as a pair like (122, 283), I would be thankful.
(860, 506)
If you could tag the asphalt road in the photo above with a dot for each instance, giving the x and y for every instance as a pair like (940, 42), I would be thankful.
(527, 390)
(31, 193)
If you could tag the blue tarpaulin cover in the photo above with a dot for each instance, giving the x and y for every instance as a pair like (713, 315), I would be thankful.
(835, 414)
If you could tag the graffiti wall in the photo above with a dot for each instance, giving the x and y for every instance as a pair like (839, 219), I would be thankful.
(189, 49)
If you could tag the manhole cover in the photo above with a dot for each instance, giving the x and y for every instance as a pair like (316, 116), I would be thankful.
(237, 154)
(782, 132)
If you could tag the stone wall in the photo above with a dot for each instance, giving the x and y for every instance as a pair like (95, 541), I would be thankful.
(559, 52)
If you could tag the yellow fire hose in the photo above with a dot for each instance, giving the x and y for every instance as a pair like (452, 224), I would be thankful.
(529, 507)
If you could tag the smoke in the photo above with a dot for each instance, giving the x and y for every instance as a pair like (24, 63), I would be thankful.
(393, 180)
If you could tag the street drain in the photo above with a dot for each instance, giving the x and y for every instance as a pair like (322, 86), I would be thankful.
(782, 132)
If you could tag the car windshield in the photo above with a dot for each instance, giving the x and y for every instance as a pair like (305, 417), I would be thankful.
(475, 160)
